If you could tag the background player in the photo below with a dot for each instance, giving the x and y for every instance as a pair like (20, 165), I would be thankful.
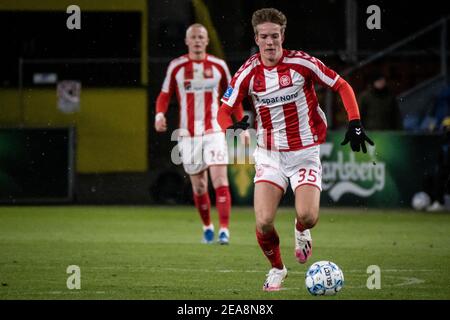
(198, 78)
(291, 126)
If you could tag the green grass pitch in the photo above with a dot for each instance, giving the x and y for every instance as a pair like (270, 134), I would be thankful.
(155, 253)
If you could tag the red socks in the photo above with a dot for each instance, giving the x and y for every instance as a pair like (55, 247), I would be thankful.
(223, 204)
(203, 205)
(270, 245)
(299, 227)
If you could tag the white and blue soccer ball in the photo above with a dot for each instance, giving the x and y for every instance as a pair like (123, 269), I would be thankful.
(420, 200)
(324, 278)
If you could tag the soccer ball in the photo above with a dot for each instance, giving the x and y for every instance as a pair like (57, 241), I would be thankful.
(324, 278)
(420, 200)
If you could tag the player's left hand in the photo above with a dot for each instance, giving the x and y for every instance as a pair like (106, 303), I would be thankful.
(356, 136)
(243, 124)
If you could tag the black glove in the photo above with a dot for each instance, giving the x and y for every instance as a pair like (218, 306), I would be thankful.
(240, 124)
(355, 134)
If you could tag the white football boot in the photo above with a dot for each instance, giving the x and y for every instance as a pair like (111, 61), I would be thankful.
(274, 279)
(224, 236)
(303, 244)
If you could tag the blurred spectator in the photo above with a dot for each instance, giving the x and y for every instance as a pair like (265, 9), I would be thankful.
(435, 119)
(378, 106)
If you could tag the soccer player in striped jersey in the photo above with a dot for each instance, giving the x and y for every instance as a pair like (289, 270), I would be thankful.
(290, 128)
(199, 79)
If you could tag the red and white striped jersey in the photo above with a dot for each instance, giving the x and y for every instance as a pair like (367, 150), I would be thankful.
(197, 84)
(288, 115)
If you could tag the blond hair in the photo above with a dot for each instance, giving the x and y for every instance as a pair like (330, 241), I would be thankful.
(269, 15)
(195, 25)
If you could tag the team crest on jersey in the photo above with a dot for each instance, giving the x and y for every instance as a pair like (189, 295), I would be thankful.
(207, 73)
(285, 81)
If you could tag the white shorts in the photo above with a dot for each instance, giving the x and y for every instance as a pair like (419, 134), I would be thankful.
(300, 167)
(200, 152)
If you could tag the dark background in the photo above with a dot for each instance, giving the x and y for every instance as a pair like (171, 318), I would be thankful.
(317, 27)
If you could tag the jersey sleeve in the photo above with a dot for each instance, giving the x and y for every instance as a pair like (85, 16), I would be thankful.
(348, 99)
(321, 74)
(162, 102)
(238, 87)
(224, 116)
(168, 85)
(225, 78)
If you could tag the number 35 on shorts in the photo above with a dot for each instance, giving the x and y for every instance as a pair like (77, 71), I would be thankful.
(309, 176)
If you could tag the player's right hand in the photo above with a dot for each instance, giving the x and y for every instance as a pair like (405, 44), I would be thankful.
(243, 124)
(160, 123)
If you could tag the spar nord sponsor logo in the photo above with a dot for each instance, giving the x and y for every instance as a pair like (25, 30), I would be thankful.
(285, 98)
(343, 174)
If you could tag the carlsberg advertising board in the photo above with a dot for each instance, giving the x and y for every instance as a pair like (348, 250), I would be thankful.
(398, 166)
(388, 175)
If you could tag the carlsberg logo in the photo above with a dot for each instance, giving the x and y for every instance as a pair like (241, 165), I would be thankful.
(343, 176)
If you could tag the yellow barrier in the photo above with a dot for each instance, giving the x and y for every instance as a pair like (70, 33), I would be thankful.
(111, 124)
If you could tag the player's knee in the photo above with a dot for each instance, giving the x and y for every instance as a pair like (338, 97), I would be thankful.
(200, 188)
(264, 223)
(220, 182)
(308, 217)
(265, 227)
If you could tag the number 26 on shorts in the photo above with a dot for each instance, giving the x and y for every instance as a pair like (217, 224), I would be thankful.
(310, 175)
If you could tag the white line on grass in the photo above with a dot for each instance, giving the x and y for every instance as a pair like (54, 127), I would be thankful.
(406, 280)
(153, 268)
(262, 271)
